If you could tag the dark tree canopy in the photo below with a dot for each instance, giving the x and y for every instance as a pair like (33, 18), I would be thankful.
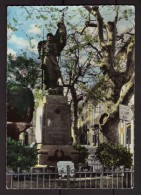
(20, 103)
(24, 70)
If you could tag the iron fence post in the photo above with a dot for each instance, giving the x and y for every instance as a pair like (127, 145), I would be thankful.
(101, 179)
(18, 177)
(68, 176)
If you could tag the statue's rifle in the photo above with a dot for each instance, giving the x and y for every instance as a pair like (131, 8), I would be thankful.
(42, 59)
(62, 19)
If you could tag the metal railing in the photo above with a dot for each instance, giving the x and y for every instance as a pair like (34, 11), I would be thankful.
(47, 179)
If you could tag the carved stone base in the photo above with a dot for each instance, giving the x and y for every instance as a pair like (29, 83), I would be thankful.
(56, 121)
(51, 154)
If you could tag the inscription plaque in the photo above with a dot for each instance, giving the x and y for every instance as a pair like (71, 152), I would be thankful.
(56, 128)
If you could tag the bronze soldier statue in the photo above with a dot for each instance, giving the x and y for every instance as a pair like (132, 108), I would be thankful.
(49, 50)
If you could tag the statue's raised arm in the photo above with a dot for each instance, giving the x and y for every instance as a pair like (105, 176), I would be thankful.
(61, 35)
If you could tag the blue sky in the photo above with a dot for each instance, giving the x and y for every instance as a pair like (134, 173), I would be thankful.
(19, 40)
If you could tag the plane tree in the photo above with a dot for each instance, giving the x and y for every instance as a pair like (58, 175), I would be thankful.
(117, 65)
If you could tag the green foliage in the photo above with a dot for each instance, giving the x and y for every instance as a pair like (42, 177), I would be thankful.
(20, 102)
(83, 153)
(11, 27)
(19, 155)
(23, 70)
(113, 155)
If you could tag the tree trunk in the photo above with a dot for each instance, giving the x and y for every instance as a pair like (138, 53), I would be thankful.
(111, 119)
(75, 125)
(110, 128)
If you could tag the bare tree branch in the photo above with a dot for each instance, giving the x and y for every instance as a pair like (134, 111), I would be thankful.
(116, 17)
(95, 11)
(96, 50)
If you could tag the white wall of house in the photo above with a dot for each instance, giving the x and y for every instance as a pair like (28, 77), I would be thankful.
(38, 129)
(126, 131)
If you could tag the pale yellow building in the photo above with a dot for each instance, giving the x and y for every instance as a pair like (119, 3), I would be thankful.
(90, 133)
(88, 124)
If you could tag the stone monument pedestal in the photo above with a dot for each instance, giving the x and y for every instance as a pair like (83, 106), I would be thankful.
(56, 132)
(51, 154)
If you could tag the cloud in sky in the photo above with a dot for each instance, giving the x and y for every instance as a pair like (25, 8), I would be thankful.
(9, 50)
(122, 29)
(9, 33)
(34, 29)
(21, 43)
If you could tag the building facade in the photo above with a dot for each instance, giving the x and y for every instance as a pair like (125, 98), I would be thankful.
(89, 127)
